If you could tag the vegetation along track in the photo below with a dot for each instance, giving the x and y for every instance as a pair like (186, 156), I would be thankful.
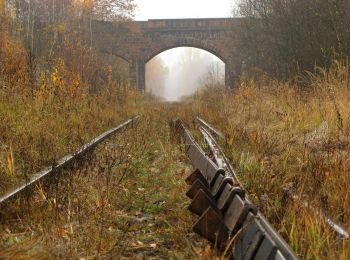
(226, 216)
(64, 162)
(127, 201)
(222, 162)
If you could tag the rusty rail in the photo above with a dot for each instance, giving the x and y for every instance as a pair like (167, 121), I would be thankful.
(227, 217)
(210, 128)
(63, 162)
(220, 157)
(215, 148)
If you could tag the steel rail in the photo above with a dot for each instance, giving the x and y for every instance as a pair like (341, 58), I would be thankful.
(202, 180)
(283, 246)
(211, 128)
(64, 162)
(214, 146)
(214, 149)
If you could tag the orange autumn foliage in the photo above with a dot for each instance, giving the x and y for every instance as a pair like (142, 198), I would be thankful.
(13, 63)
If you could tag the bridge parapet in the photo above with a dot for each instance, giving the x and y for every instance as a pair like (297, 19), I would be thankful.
(188, 24)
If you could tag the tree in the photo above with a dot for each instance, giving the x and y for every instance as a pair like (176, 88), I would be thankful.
(112, 10)
(286, 37)
(2, 6)
(54, 30)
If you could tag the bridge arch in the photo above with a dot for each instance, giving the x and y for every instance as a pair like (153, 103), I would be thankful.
(180, 71)
(211, 49)
(140, 41)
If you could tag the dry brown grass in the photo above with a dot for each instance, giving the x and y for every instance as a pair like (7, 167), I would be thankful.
(37, 131)
(287, 141)
(127, 202)
(281, 139)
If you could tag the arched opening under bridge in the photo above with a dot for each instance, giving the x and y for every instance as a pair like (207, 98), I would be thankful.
(181, 71)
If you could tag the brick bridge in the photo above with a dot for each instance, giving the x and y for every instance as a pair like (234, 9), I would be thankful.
(137, 42)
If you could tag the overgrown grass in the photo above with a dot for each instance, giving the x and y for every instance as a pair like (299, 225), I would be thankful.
(37, 130)
(129, 200)
(48, 108)
(287, 141)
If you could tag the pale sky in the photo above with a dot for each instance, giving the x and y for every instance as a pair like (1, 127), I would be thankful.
(159, 9)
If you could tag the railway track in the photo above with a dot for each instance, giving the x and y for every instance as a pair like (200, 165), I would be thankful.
(61, 164)
(227, 217)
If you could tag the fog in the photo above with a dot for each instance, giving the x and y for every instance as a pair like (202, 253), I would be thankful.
(180, 72)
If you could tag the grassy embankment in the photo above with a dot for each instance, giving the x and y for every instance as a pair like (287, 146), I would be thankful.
(48, 107)
(285, 141)
(36, 132)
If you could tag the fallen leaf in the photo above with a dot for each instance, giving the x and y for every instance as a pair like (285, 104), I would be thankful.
(62, 232)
